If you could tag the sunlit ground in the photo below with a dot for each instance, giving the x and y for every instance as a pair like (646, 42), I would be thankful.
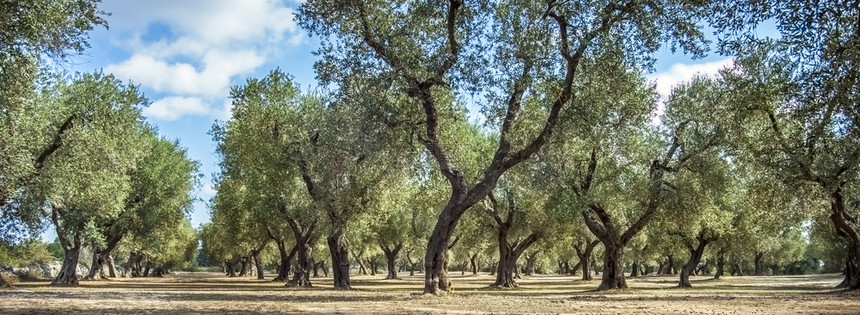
(214, 293)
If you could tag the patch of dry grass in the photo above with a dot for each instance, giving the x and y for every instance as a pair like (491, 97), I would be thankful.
(214, 293)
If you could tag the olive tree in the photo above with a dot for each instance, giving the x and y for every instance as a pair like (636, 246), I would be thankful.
(497, 51)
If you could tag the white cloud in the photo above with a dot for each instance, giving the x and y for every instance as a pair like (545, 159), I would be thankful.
(191, 50)
(183, 78)
(173, 107)
(210, 21)
(680, 73)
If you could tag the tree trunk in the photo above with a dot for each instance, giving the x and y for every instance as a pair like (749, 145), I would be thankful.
(102, 256)
(304, 266)
(847, 228)
(613, 268)
(634, 272)
(246, 263)
(391, 259)
(436, 280)
(147, 269)
(737, 269)
(721, 262)
(284, 266)
(97, 265)
(670, 261)
(68, 272)
(473, 264)
(111, 266)
(316, 268)
(374, 266)
(412, 263)
(258, 264)
(695, 258)
(231, 267)
(849, 272)
(530, 264)
(576, 267)
(585, 257)
(759, 264)
(339, 259)
(305, 238)
(509, 254)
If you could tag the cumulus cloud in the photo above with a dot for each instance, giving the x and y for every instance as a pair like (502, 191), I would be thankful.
(210, 21)
(183, 78)
(173, 107)
(190, 51)
(681, 72)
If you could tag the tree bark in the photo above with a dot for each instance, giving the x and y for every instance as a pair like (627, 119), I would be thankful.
(509, 253)
(695, 257)
(412, 262)
(374, 265)
(258, 264)
(847, 228)
(634, 272)
(111, 266)
(284, 266)
(102, 256)
(737, 269)
(530, 264)
(97, 265)
(246, 263)
(613, 268)
(670, 262)
(304, 266)
(68, 272)
(576, 267)
(339, 259)
(473, 264)
(759, 264)
(721, 262)
(584, 255)
(230, 265)
(391, 258)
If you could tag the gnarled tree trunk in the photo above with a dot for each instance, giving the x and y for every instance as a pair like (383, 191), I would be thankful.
(111, 266)
(584, 254)
(68, 272)
(613, 267)
(246, 264)
(530, 264)
(721, 263)
(695, 258)
(102, 256)
(286, 258)
(473, 264)
(339, 259)
(391, 258)
(759, 264)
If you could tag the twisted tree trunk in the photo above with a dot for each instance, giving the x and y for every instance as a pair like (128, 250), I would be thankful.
(584, 254)
(339, 259)
(391, 258)
(759, 264)
(721, 262)
(695, 257)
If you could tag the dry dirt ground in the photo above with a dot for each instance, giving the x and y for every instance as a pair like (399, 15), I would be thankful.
(216, 294)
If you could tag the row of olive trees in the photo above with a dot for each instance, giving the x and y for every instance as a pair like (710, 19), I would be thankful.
(77, 152)
(561, 81)
(541, 200)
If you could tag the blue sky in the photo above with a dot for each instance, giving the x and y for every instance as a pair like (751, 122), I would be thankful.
(186, 54)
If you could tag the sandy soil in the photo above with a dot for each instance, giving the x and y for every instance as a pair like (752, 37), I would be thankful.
(214, 293)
